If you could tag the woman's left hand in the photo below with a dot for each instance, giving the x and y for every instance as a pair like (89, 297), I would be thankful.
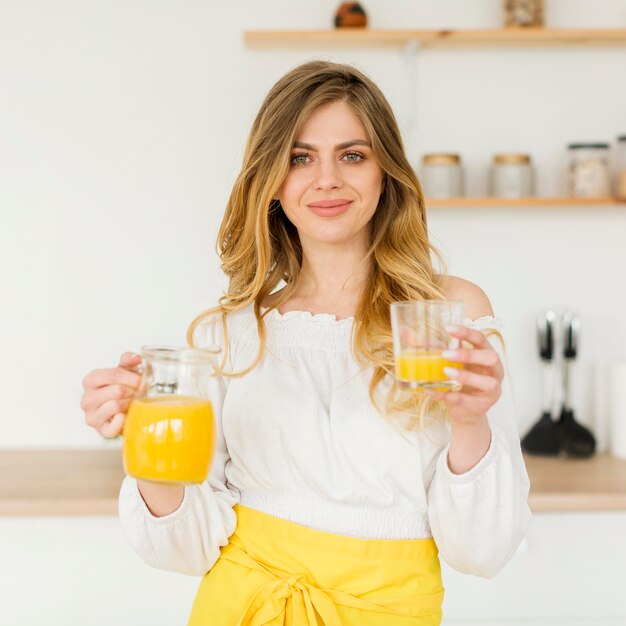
(481, 377)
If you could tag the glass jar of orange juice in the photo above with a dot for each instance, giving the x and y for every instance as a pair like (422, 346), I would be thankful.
(169, 432)
(419, 338)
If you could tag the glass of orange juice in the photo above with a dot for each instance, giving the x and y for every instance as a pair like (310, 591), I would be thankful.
(419, 338)
(169, 432)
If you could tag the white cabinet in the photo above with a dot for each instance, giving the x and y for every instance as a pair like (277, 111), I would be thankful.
(570, 570)
(80, 571)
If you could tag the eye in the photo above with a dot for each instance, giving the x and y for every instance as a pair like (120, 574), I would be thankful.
(353, 157)
(299, 159)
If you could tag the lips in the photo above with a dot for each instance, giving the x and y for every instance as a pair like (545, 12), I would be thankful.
(328, 204)
(330, 208)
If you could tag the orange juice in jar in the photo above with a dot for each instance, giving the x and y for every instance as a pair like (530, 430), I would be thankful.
(169, 432)
(419, 338)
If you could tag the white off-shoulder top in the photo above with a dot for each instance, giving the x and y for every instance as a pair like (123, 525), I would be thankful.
(299, 438)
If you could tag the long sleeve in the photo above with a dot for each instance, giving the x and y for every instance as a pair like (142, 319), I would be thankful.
(188, 540)
(479, 518)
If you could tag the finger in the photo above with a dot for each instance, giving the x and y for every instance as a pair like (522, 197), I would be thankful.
(111, 376)
(451, 397)
(106, 412)
(476, 356)
(471, 379)
(465, 409)
(459, 398)
(475, 337)
(130, 360)
(94, 398)
(113, 427)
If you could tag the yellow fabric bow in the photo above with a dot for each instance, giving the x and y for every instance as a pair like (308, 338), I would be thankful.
(269, 603)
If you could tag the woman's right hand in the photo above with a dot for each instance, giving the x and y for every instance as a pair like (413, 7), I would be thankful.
(108, 393)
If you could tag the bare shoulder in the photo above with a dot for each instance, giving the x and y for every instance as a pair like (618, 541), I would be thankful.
(475, 300)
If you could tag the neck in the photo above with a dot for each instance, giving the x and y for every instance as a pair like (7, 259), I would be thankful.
(331, 279)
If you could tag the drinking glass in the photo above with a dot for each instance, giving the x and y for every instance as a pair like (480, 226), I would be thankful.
(169, 432)
(419, 338)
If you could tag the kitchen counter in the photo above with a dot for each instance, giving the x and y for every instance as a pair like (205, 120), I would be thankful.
(595, 484)
(60, 482)
(86, 482)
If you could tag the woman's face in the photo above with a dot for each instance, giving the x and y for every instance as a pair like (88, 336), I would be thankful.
(334, 181)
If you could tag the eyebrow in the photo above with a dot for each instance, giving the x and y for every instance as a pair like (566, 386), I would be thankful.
(340, 146)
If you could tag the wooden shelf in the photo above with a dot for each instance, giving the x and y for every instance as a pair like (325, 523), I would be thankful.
(520, 202)
(87, 482)
(439, 38)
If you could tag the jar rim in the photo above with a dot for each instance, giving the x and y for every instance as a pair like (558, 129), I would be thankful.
(441, 158)
(581, 146)
(199, 356)
(512, 157)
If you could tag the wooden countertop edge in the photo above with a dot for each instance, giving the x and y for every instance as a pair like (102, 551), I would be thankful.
(87, 482)
(579, 502)
(59, 507)
(539, 503)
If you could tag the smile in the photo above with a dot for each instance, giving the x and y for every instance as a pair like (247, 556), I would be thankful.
(329, 208)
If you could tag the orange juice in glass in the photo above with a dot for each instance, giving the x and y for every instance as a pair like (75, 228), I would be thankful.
(169, 432)
(419, 338)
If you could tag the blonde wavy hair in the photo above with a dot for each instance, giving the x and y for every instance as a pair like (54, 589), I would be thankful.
(259, 247)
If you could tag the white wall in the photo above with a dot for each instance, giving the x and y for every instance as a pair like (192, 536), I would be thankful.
(121, 130)
(122, 127)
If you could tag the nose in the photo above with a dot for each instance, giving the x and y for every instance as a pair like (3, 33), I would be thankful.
(327, 175)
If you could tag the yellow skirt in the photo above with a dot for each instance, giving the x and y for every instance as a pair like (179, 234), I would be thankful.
(277, 573)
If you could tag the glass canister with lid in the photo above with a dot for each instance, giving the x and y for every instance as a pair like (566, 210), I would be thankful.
(588, 172)
(512, 176)
(523, 13)
(442, 175)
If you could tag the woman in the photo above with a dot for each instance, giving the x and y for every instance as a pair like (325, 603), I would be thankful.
(331, 493)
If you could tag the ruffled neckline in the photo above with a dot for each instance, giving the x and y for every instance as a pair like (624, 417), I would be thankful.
(483, 320)
(331, 320)
(320, 318)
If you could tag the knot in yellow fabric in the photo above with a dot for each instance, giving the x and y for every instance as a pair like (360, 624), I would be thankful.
(293, 582)
(310, 605)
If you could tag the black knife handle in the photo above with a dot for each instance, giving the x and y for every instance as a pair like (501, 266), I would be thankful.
(571, 331)
(546, 334)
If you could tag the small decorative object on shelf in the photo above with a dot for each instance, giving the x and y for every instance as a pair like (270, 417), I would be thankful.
(350, 15)
(512, 176)
(442, 176)
(524, 13)
(588, 175)
(620, 183)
